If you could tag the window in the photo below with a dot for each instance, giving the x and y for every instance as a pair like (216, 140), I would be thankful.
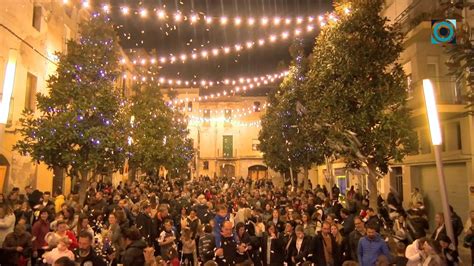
(30, 94)
(255, 143)
(37, 13)
(227, 117)
(227, 146)
(409, 85)
(205, 165)
(256, 107)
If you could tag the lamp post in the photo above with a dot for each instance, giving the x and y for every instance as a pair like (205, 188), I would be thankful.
(436, 139)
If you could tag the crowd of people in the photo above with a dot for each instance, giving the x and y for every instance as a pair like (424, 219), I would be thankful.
(224, 221)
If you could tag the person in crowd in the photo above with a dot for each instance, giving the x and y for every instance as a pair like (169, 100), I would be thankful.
(24, 211)
(61, 250)
(301, 249)
(226, 253)
(400, 259)
(448, 251)
(146, 224)
(354, 237)
(347, 222)
(133, 255)
(416, 197)
(188, 247)
(85, 255)
(325, 248)
(167, 242)
(308, 225)
(414, 252)
(371, 247)
(47, 204)
(440, 229)
(340, 241)
(288, 238)
(64, 261)
(17, 247)
(206, 245)
(58, 201)
(373, 220)
(272, 247)
(417, 224)
(458, 228)
(280, 225)
(83, 225)
(7, 222)
(222, 215)
(431, 255)
(61, 232)
(39, 230)
(400, 226)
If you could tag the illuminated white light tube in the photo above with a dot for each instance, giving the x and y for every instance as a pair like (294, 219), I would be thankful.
(8, 86)
(432, 112)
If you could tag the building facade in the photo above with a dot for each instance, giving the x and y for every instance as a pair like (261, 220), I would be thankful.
(225, 133)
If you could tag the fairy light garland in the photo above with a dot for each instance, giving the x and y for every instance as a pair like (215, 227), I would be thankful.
(207, 53)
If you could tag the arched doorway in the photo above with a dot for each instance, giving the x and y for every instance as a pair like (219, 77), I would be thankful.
(4, 166)
(227, 170)
(258, 171)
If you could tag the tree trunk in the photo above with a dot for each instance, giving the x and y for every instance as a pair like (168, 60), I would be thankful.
(58, 180)
(291, 178)
(305, 176)
(84, 184)
(330, 174)
(372, 185)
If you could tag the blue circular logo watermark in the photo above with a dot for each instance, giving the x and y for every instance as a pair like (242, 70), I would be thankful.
(443, 31)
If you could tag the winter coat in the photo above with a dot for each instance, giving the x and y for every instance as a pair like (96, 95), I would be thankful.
(304, 253)
(90, 258)
(276, 251)
(133, 254)
(58, 201)
(12, 241)
(318, 250)
(147, 227)
(206, 247)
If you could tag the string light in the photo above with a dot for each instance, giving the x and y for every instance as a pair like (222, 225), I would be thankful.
(216, 51)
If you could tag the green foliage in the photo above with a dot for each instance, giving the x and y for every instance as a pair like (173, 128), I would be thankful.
(159, 133)
(356, 87)
(81, 126)
(283, 142)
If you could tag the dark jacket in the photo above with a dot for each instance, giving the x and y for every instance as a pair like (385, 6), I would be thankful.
(229, 245)
(375, 222)
(319, 259)
(352, 244)
(304, 254)
(90, 258)
(276, 251)
(147, 227)
(206, 247)
(348, 225)
(13, 240)
(133, 254)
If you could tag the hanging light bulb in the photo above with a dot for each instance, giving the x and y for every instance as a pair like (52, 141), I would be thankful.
(276, 21)
(237, 21)
(143, 12)
(125, 10)
(161, 14)
(264, 21)
(224, 20)
(251, 21)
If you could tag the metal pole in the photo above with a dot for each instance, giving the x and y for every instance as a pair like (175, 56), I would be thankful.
(444, 194)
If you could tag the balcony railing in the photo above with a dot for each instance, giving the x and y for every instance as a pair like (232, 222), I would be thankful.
(446, 92)
(419, 11)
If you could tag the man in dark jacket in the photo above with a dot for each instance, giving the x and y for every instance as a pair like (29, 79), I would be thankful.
(146, 224)
(207, 245)
(226, 254)
(354, 238)
(373, 220)
(17, 246)
(301, 248)
(85, 254)
(326, 248)
(133, 254)
(347, 222)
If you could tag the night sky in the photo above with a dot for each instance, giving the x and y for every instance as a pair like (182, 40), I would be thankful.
(168, 37)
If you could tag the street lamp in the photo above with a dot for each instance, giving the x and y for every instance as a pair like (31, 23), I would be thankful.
(436, 139)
